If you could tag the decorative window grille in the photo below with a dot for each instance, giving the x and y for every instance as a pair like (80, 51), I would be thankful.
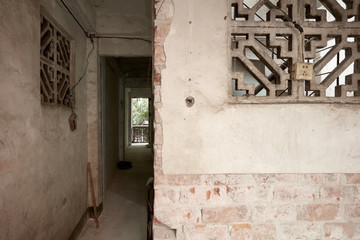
(55, 65)
(295, 51)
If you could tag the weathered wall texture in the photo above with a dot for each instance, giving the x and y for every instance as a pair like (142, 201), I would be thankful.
(225, 171)
(242, 137)
(43, 171)
(258, 206)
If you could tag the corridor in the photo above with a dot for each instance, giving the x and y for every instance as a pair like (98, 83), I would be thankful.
(125, 213)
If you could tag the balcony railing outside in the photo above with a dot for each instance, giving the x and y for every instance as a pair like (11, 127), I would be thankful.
(140, 133)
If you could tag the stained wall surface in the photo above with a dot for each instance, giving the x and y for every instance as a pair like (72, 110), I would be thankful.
(43, 174)
(218, 165)
(214, 136)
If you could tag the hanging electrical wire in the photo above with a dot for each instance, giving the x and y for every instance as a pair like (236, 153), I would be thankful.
(86, 66)
(270, 5)
(91, 36)
(77, 21)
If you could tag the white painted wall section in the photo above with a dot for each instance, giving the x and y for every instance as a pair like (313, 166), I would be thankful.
(214, 136)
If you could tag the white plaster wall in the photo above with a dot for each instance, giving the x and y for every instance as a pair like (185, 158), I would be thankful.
(43, 175)
(214, 136)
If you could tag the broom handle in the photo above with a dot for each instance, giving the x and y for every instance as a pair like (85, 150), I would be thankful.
(93, 196)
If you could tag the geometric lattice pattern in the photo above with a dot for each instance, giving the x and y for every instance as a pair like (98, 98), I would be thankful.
(55, 65)
(268, 38)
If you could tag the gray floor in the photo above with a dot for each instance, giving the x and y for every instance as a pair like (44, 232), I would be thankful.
(124, 215)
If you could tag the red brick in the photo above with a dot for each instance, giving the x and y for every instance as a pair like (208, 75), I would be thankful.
(176, 216)
(178, 180)
(311, 178)
(158, 136)
(166, 197)
(271, 213)
(204, 195)
(351, 230)
(318, 212)
(225, 214)
(300, 230)
(253, 232)
(352, 211)
(214, 179)
(158, 68)
(265, 178)
(159, 55)
(332, 193)
(157, 78)
(157, 96)
(157, 157)
(249, 194)
(157, 119)
(301, 194)
(240, 179)
(284, 193)
(352, 193)
(287, 178)
(342, 230)
(202, 232)
(353, 178)
(306, 193)
(161, 32)
(326, 178)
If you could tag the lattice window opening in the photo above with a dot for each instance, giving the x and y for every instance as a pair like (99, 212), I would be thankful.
(313, 11)
(263, 56)
(55, 65)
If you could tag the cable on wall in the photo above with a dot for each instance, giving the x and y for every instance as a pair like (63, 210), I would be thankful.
(77, 21)
(121, 37)
(91, 36)
(95, 35)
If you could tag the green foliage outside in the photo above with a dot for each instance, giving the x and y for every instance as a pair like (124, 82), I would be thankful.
(140, 111)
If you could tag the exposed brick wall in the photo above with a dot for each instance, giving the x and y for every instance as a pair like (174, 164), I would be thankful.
(246, 206)
(260, 206)
(163, 12)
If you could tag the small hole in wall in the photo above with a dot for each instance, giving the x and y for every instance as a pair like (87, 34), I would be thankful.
(190, 101)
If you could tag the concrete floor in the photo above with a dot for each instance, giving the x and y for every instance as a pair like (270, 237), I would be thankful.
(125, 214)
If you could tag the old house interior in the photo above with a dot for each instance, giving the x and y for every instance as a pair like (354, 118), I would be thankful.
(179, 119)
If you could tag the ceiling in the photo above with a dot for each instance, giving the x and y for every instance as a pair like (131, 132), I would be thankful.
(124, 7)
(135, 67)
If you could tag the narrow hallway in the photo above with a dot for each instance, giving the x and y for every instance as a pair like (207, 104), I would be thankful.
(125, 213)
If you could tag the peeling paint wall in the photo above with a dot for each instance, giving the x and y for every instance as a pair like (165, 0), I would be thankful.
(43, 171)
(240, 171)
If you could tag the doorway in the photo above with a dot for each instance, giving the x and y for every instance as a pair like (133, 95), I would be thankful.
(140, 134)
(127, 134)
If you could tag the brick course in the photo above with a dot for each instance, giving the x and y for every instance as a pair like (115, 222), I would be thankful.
(289, 208)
